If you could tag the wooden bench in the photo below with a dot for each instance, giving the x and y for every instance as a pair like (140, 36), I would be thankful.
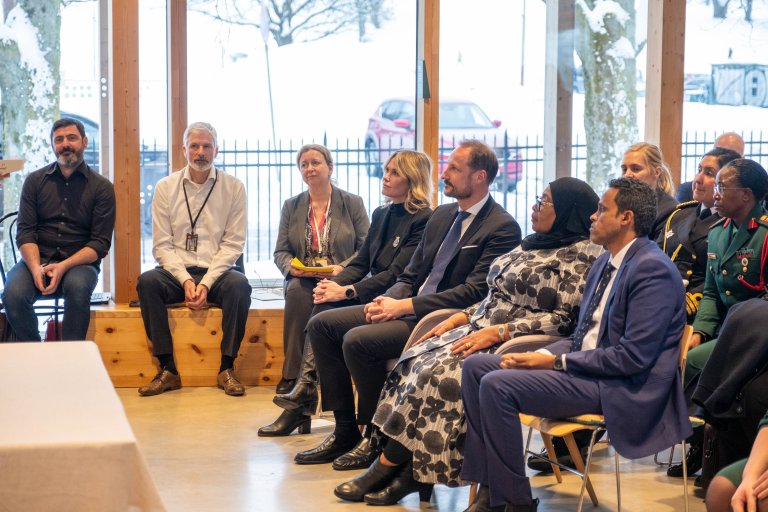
(119, 332)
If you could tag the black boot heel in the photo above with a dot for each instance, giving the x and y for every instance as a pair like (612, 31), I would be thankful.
(401, 486)
(302, 396)
(286, 423)
(376, 477)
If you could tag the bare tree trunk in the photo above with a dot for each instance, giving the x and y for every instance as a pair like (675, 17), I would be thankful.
(748, 10)
(720, 8)
(605, 47)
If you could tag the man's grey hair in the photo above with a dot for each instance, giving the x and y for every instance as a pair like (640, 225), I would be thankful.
(201, 127)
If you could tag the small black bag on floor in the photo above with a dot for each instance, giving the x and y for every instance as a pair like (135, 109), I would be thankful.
(712, 462)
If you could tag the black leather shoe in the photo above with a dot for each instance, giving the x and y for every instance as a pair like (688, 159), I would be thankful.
(286, 423)
(482, 501)
(360, 457)
(285, 386)
(375, 478)
(543, 465)
(533, 507)
(693, 460)
(401, 486)
(332, 447)
(302, 396)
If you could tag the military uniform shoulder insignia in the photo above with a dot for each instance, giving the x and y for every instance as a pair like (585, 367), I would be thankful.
(719, 222)
(762, 220)
(687, 204)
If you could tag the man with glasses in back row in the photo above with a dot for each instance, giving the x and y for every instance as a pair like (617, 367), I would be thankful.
(65, 223)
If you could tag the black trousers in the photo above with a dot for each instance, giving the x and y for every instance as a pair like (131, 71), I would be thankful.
(345, 346)
(158, 287)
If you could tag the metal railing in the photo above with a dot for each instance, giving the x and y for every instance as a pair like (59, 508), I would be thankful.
(270, 176)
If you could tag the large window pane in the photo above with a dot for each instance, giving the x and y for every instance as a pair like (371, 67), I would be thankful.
(492, 89)
(726, 79)
(309, 88)
(153, 113)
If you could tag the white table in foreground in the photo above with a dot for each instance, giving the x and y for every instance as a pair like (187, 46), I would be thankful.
(65, 442)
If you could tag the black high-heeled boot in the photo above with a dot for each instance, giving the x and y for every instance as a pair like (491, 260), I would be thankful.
(286, 423)
(375, 478)
(401, 486)
(302, 397)
(303, 394)
(482, 501)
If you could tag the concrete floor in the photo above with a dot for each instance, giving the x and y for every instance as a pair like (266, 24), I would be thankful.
(203, 452)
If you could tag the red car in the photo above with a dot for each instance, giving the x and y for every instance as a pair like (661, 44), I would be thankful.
(392, 127)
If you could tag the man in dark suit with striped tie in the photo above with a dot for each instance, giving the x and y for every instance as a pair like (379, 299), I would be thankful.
(447, 270)
(622, 358)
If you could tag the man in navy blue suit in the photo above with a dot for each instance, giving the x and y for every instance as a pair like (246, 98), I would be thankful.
(622, 359)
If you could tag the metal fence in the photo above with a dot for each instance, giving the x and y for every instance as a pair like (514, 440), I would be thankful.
(271, 176)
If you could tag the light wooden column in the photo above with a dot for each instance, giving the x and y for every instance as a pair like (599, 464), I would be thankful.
(124, 113)
(427, 109)
(177, 81)
(664, 80)
(558, 90)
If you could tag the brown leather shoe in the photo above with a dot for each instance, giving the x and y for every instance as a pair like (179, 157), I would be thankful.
(163, 381)
(229, 383)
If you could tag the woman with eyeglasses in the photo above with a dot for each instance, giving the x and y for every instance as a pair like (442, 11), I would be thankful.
(735, 268)
(534, 289)
(684, 240)
(644, 162)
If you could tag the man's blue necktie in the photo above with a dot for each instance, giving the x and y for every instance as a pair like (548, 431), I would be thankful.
(444, 255)
(583, 327)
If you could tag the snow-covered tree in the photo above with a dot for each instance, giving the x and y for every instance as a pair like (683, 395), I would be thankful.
(605, 43)
(30, 81)
(292, 21)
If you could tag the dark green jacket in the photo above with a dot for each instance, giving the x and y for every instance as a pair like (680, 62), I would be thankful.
(733, 264)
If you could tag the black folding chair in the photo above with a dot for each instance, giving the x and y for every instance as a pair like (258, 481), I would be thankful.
(8, 225)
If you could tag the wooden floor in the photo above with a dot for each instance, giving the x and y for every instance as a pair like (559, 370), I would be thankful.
(204, 454)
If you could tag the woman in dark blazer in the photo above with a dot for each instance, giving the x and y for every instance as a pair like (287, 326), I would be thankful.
(323, 226)
(644, 162)
(395, 232)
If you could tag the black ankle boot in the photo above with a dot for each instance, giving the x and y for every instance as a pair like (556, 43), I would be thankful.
(303, 396)
(286, 423)
(401, 486)
(376, 477)
(693, 461)
(482, 501)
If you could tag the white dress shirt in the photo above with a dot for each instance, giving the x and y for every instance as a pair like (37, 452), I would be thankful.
(221, 227)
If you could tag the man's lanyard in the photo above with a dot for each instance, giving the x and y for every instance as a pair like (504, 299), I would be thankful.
(191, 241)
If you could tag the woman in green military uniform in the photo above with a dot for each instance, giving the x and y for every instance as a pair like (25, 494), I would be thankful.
(684, 238)
(735, 255)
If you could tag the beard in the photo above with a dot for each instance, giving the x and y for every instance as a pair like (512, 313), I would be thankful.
(70, 158)
(200, 165)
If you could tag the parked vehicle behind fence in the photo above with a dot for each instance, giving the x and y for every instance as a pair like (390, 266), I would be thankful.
(392, 127)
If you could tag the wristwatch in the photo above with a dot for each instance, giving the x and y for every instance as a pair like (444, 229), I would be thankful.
(557, 364)
(502, 332)
(350, 293)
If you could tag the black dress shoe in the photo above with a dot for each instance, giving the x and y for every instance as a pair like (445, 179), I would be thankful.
(532, 507)
(285, 386)
(543, 465)
(375, 478)
(360, 457)
(482, 501)
(332, 447)
(693, 461)
(401, 486)
(286, 423)
(302, 396)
